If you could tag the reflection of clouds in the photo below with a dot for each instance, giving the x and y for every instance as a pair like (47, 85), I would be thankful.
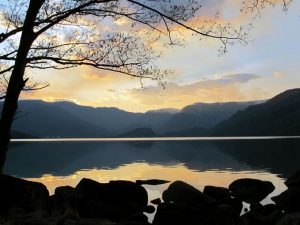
(137, 171)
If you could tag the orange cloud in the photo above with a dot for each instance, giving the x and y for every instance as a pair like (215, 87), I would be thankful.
(226, 88)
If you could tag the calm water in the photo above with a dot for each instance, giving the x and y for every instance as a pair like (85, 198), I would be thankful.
(198, 162)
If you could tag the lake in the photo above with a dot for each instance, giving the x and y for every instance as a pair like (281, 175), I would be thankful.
(197, 161)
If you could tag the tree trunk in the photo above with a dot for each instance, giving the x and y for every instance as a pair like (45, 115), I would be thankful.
(16, 81)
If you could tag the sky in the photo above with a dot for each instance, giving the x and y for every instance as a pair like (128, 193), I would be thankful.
(266, 66)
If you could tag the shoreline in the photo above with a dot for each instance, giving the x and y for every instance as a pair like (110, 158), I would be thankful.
(125, 202)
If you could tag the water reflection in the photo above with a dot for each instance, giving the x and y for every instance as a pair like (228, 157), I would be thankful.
(196, 162)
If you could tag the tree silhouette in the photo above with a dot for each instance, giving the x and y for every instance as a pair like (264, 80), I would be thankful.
(60, 34)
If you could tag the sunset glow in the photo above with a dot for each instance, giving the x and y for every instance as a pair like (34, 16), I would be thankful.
(270, 56)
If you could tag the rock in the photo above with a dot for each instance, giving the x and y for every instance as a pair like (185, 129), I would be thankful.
(211, 213)
(221, 214)
(288, 200)
(151, 182)
(251, 190)
(69, 200)
(217, 193)
(156, 201)
(263, 214)
(138, 217)
(133, 223)
(183, 193)
(18, 193)
(235, 204)
(66, 198)
(293, 181)
(149, 209)
(172, 214)
(290, 219)
(93, 209)
(229, 209)
(86, 222)
(127, 196)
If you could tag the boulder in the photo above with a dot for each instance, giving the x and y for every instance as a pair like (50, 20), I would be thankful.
(132, 223)
(251, 190)
(172, 214)
(183, 193)
(263, 214)
(93, 209)
(78, 221)
(228, 209)
(290, 219)
(149, 209)
(235, 204)
(21, 194)
(66, 198)
(151, 182)
(212, 213)
(288, 200)
(293, 181)
(127, 196)
(221, 214)
(156, 201)
(217, 193)
(138, 218)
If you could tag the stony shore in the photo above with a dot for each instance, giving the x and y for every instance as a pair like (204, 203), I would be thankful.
(24, 202)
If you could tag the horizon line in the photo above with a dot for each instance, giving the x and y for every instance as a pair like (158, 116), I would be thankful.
(145, 139)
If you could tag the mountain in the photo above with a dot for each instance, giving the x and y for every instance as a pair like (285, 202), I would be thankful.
(204, 115)
(42, 119)
(165, 110)
(20, 135)
(277, 116)
(115, 120)
(193, 132)
(139, 132)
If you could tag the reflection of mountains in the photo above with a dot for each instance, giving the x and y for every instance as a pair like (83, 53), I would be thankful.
(277, 156)
(36, 159)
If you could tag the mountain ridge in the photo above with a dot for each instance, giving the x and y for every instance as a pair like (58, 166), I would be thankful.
(66, 119)
(278, 116)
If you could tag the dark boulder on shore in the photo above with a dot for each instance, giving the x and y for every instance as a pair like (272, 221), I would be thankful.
(151, 182)
(125, 202)
(173, 214)
(268, 214)
(185, 194)
(288, 200)
(217, 193)
(126, 196)
(251, 190)
(184, 204)
(16, 193)
(67, 199)
(293, 181)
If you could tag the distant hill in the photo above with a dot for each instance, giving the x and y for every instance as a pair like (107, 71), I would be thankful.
(166, 110)
(277, 116)
(139, 132)
(42, 119)
(205, 115)
(117, 121)
(19, 135)
(193, 132)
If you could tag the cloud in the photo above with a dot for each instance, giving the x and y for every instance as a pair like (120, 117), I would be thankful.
(225, 88)
(279, 74)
